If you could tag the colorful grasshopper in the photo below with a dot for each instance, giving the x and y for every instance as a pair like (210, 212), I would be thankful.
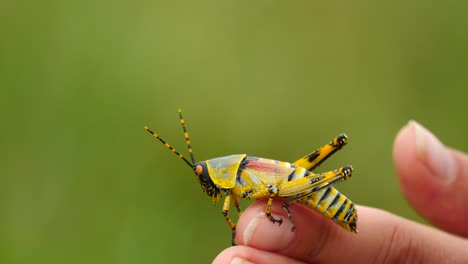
(242, 176)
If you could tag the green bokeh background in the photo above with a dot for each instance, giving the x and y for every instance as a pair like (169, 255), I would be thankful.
(82, 182)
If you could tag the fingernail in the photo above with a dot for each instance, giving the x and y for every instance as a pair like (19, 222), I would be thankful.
(239, 260)
(263, 234)
(250, 229)
(433, 153)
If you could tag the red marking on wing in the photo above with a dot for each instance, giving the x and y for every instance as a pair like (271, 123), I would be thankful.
(262, 166)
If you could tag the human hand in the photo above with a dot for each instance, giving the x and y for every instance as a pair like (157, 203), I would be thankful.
(434, 180)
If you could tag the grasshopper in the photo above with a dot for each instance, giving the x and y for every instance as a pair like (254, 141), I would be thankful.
(245, 177)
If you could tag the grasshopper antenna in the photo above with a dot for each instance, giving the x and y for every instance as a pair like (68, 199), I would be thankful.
(170, 148)
(186, 135)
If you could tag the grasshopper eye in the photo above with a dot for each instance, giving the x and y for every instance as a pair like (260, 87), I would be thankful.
(198, 169)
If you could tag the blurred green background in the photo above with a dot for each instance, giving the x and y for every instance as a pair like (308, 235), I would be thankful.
(82, 182)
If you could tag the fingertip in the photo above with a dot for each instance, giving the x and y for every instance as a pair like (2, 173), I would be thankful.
(427, 172)
(233, 255)
(255, 229)
(418, 152)
(404, 147)
(249, 255)
(312, 231)
(415, 177)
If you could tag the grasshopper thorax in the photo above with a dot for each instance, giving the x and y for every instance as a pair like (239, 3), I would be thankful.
(218, 173)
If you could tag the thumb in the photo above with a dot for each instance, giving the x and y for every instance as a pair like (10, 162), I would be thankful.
(433, 178)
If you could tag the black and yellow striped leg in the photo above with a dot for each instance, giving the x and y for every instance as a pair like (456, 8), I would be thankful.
(273, 192)
(300, 188)
(226, 204)
(236, 204)
(305, 186)
(314, 159)
(286, 209)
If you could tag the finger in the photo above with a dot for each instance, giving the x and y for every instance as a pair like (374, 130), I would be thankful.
(433, 178)
(248, 255)
(382, 237)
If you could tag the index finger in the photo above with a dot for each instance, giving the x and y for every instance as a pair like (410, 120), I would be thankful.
(382, 237)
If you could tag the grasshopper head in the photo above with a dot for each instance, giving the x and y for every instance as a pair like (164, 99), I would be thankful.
(203, 175)
(218, 174)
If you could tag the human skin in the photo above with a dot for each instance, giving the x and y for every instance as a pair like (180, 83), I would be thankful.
(434, 180)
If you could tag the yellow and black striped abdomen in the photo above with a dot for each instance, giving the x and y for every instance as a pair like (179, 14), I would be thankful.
(333, 205)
